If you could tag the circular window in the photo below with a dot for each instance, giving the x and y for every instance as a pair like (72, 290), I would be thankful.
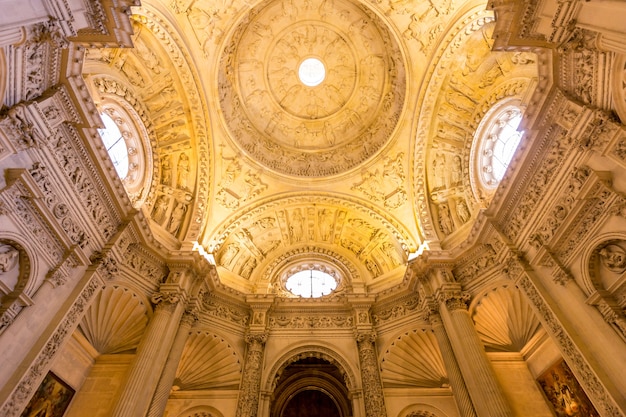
(498, 139)
(115, 145)
(311, 72)
(311, 283)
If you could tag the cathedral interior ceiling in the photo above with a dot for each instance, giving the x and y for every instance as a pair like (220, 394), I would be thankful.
(260, 170)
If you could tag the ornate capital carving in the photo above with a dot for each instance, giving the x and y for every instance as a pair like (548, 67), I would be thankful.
(455, 300)
(365, 337)
(167, 300)
(257, 339)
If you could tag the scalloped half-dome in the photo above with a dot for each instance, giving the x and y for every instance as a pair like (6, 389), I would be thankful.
(414, 360)
(115, 321)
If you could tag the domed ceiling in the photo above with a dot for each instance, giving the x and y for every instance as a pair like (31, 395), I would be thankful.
(285, 135)
(311, 131)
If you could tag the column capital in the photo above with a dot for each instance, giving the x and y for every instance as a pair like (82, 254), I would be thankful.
(366, 336)
(167, 299)
(454, 299)
(256, 338)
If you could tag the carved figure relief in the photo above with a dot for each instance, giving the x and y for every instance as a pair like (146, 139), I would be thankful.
(386, 186)
(320, 132)
(9, 257)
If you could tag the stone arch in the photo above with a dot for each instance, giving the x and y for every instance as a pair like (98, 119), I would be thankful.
(421, 410)
(596, 267)
(201, 411)
(17, 282)
(317, 351)
(604, 278)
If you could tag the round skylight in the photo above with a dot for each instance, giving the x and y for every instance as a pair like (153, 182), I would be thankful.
(311, 72)
(115, 145)
(311, 283)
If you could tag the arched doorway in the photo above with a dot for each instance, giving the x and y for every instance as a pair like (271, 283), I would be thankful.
(311, 387)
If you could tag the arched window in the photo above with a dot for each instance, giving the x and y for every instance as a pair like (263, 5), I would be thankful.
(125, 139)
(494, 145)
(311, 283)
(115, 145)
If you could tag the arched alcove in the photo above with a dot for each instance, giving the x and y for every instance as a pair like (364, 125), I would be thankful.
(310, 387)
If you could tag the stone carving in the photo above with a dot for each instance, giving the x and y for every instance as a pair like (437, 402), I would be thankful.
(177, 218)
(446, 225)
(9, 258)
(372, 385)
(234, 188)
(397, 311)
(386, 186)
(40, 365)
(248, 403)
(213, 307)
(328, 128)
(613, 257)
(311, 322)
(587, 377)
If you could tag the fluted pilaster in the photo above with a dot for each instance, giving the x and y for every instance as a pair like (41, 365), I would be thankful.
(144, 373)
(459, 389)
(162, 393)
(483, 387)
(372, 385)
(248, 404)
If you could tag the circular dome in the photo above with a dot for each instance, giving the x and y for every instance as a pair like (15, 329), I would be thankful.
(311, 90)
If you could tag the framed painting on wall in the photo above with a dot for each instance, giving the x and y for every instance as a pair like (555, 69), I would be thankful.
(51, 399)
(565, 393)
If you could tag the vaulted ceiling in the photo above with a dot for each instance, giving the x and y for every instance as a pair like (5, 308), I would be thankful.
(267, 175)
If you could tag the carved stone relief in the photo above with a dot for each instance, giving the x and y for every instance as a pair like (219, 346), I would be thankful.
(267, 235)
(331, 127)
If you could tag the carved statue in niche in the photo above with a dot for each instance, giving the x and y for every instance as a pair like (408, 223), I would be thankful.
(439, 169)
(248, 267)
(462, 211)
(166, 170)
(182, 171)
(296, 228)
(445, 220)
(160, 209)
(177, 218)
(457, 170)
(613, 257)
(325, 223)
(229, 254)
(9, 258)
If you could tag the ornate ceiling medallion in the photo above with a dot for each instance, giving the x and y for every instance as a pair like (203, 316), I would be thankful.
(311, 90)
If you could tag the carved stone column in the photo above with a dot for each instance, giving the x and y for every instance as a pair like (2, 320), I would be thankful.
(144, 373)
(372, 385)
(484, 389)
(248, 404)
(459, 389)
(162, 393)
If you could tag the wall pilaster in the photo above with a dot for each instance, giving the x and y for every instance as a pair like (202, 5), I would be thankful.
(459, 389)
(144, 373)
(248, 404)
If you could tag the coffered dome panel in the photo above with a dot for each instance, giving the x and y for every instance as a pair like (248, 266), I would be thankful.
(325, 126)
